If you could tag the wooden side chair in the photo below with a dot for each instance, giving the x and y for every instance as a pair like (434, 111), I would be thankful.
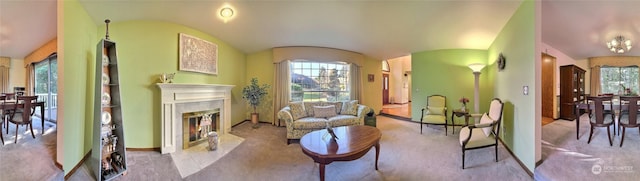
(5, 98)
(10, 96)
(598, 117)
(628, 117)
(484, 134)
(2, 114)
(22, 115)
(435, 112)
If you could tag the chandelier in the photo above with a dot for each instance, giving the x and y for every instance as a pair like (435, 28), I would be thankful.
(619, 45)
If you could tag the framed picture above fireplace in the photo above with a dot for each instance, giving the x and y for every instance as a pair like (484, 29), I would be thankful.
(197, 55)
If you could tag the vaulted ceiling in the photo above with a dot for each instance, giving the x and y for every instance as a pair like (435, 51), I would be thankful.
(581, 29)
(380, 29)
(25, 26)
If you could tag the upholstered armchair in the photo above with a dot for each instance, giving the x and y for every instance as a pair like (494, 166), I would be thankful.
(435, 112)
(484, 134)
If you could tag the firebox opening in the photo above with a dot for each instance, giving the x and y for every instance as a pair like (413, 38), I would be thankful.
(196, 125)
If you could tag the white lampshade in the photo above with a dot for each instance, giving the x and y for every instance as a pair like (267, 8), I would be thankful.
(476, 67)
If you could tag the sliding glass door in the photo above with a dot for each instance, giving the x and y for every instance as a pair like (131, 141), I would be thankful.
(46, 86)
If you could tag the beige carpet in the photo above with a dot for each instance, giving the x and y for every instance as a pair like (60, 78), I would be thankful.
(404, 155)
(29, 159)
(565, 158)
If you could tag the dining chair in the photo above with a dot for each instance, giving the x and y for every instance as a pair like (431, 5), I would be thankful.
(598, 117)
(10, 96)
(628, 117)
(22, 113)
(4, 101)
(435, 112)
(2, 116)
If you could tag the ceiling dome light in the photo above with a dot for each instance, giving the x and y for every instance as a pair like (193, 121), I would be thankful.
(619, 45)
(226, 12)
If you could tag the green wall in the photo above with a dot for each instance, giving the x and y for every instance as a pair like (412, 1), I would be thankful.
(149, 48)
(516, 41)
(260, 65)
(446, 72)
(79, 50)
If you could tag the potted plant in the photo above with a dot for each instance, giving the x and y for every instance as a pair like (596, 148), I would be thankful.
(253, 94)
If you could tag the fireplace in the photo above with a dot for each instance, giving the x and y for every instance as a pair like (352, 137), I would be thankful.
(196, 125)
(177, 99)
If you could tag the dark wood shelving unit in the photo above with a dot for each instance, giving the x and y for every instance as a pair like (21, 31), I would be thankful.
(572, 90)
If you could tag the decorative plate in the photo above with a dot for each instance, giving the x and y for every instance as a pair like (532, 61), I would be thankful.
(501, 62)
(105, 79)
(106, 98)
(105, 60)
(106, 117)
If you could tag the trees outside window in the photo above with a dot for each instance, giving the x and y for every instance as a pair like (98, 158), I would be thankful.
(319, 81)
(616, 80)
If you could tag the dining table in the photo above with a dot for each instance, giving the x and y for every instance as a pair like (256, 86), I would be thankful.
(11, 104)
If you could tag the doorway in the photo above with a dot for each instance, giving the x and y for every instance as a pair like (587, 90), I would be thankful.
(46, 86)
(396, 88)
(385, 89)
(548, 82)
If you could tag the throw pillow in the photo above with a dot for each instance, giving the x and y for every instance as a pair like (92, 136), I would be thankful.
(338, 106)
(435, 110)
(350, 108)
(297, 110)
(324, 111)
(308, 106)
(486, 120)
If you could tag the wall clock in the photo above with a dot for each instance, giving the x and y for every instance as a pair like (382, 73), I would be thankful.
(501, 62)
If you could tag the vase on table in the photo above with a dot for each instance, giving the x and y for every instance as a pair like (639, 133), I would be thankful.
(464, 107)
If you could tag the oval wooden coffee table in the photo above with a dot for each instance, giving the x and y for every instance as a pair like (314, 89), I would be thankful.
(353, 142)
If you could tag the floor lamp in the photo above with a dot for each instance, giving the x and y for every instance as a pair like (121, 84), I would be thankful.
(476, 68)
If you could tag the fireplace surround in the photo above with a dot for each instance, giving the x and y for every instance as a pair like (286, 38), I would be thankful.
(182, 98)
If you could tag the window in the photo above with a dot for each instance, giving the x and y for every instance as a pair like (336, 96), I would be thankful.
(615, 80)
(385, 66)
(319, 81)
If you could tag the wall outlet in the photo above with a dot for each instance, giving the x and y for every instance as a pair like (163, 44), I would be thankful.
(504, 132)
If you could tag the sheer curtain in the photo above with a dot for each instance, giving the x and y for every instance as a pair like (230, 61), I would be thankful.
(282, 84)
(5, 62)
(595, 80)
(30, 79)
(356, 83)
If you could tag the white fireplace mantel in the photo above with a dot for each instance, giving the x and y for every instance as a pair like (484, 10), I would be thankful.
(172, 94)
